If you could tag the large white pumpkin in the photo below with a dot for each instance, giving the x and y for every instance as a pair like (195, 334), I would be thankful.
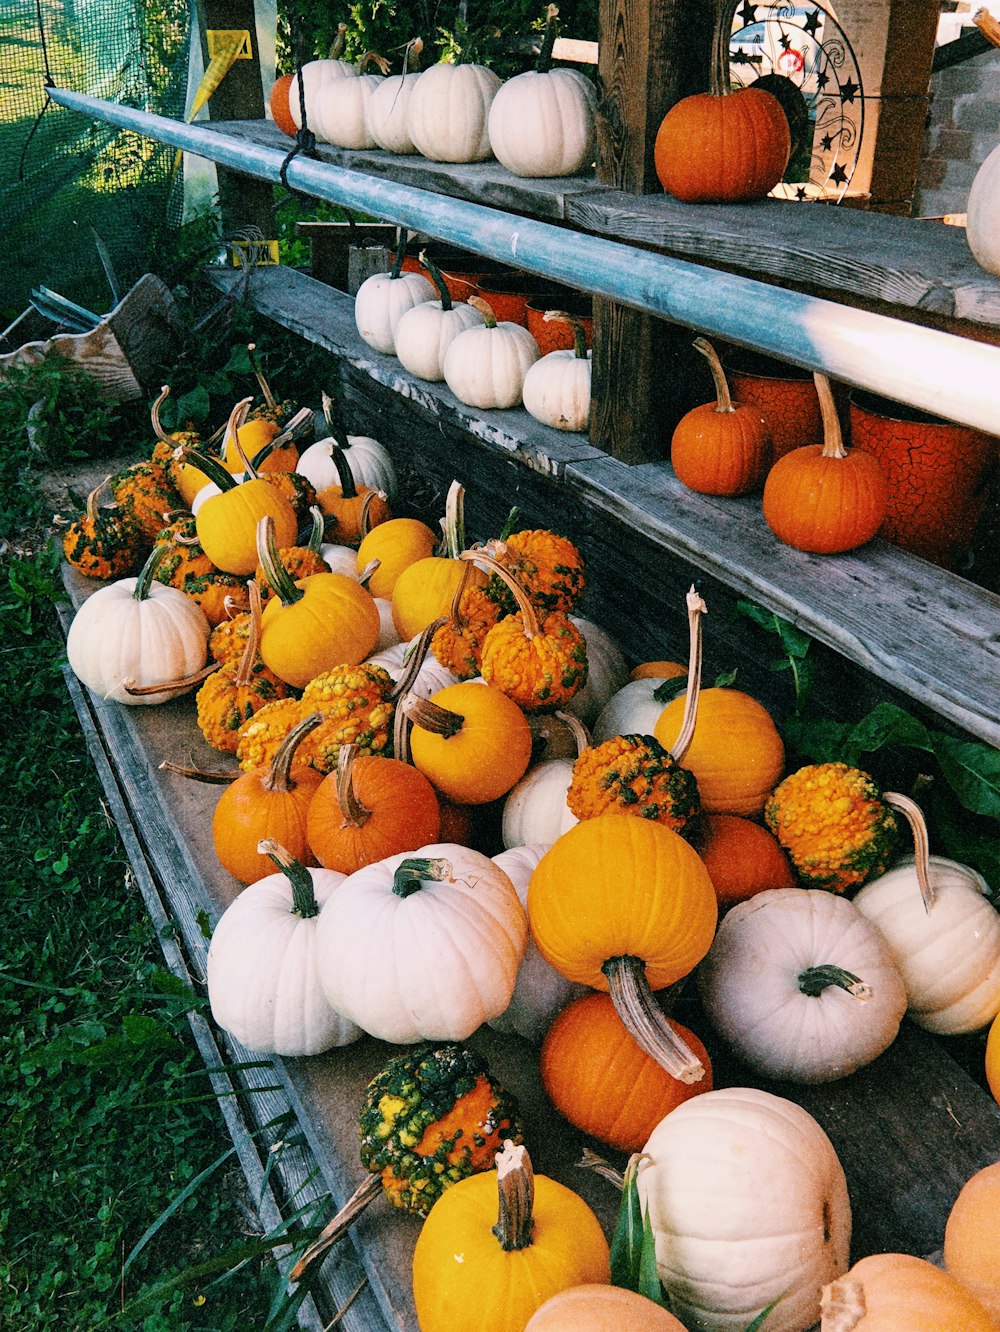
(485, 367)
(542, 124)
(425, 333)
(981, 228)
(949, 956)
(448, 112)
(316, 76)
(748, 1205)
(423, 946)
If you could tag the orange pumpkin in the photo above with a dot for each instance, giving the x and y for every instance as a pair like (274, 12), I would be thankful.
(598, 1308)
(599, 1079)
(970, 1238)
(396, 544)
(470, 740)
(741, 857)
(424, 590)
(721, 447)
(368, 809)
(993, 1059)
(278, 102)
(896, 1292)
(355, 509)
(824, 498)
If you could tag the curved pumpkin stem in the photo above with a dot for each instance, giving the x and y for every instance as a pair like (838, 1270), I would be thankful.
(645, 1021)
(484, 555)
(279, 580)
(833, 438)
(317, 530)
(453, 523)
(373, 58)
(913, 815)
(366, 1191)
(411, 874)
(696, 608)
(412, 52)
(515, 1197)
(295, 429)
(579, 336)
(414, 658)
(577, 729)
(211, 776)
(591, 1161)
(723, 397)
(154, 415)
(356, 815)
(432, 717)
(209, 465)
(842, 1305)
(304, 902)
(278, 776)
(365, 516)
(485, 309)
(245, 670)
(814, 980)
(182, 683)
(437, 278)
(544, 62)
(258, 374)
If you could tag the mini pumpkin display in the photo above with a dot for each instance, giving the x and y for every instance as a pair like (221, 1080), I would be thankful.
(522, 1238)
(485, 367)
(721, 447)
(556, 389)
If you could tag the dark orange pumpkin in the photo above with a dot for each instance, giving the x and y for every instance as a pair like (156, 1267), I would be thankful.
(721, 447)
(824, 498)
(741, 857)
(278, 100)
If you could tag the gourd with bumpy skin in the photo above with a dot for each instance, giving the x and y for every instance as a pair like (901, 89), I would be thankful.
(383, 299)
(748, 1206)
(547, 565)
(262, 960)
(485, 367)
(397, 939)
(103, 541)
(545, 1239)
(896, 1292)
(448, 114)
(424, 334)
(458, 642)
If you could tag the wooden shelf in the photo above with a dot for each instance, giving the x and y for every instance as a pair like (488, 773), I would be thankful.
(930, 635)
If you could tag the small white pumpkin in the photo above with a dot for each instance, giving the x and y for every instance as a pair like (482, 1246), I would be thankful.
(383, 299)
(341, 106)
(387, 111)
(340, 559)
(262, 964)
(801, 985)
(423, 946)
(981, 214)
(448, 113)
(139, 632)
(749, 1207)
(316, 75)
(485, 367)
(557, 387)
(535, 810)
(431, 676)
(425, 333)
(632, 710)
(388, 635)
(540, 992)
(370, 461)
(949, 955)
(607, 672)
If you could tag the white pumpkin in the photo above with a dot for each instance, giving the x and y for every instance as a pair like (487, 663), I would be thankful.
(383, 299)
(949, 956)
(425, 333)
(431, 676)
(316, 75)
(632, 710)
(388, 635)
(369, 461)
(748, 1206)
(485, 367)
(540, 992)
(341, 107)
(607, 672)
(262, 965)
(981, 214)
(447, 117)
(801, 985)
(387, 113)
(542, 123)
(340, 559)
(140, 632)
(423, 946)
(557, 388)
(535, 810)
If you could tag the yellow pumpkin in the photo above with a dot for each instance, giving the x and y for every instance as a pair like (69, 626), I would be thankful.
(396, 544)
(470, 741)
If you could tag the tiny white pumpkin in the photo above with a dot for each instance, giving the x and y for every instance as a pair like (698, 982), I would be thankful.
(383, 299)
(430, 677)
(139, 632)
(387, 111)
(315, 75)
(424, 334)
(540, 992)
(262, 964)
(557, 387)
(485, 367)
(949, 955)
(341, 106)
(749, 1207)
(340, 559)
(802, 985)
(632, 710)
(448, 113)
(423, 946)
(535, 810)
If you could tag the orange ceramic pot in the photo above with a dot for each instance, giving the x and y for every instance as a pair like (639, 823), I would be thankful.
(462, 271)
(937, 473)
(784, 396)
(508, 295)
(559, 337)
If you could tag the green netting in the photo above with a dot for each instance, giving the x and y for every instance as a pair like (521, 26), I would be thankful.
(63, 177)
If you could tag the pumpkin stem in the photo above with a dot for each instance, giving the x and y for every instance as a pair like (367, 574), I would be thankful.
(544, 62)
(485, 309)
(414, 659)
(278, 776)
(295, 429)
(368, 572)
(724, 399)
(147, 573)
(365, 516)
(579, 336)
(510, 526)
(154, 416)
(304, 902)
(366, 1191)
(182, 683)
(245, 670)
(372, 58)
(453, 523)
(237, 419)
(411, 874)
(437, 279)
(258, 374)
(214, 777)
(814, 980)
(913, 815)
(718, 72)
(338, 43)
(833, 439)
(696, 609)
(591, 1161)
(433, 717)
(316, 531)
(481, 555)
(842, 1304)
(93, 497)
(356, 815)
(577, 729)
(411, 55)
(210, 466)
(279, 580)
(515, 1197)
(645, 1021)
(397, 263)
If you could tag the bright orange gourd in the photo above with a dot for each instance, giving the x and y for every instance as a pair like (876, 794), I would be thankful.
(896, 1292)
(470, 740)
(722, 146)
(741, 857)
(355, 509)
(103, 542)
(281, 88)
(970, 1239)
(599, 1079)
(368, 809)
(825, 499)
(721, 447)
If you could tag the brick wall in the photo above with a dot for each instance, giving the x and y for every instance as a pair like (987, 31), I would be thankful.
(963, 129)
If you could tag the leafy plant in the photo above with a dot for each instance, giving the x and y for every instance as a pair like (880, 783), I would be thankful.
(633, 1245)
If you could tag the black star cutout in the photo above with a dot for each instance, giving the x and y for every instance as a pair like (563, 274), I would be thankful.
(800, 193)
(822, 79)
(748, 13)
(826, 143)
(786, 42)
(849, 90)
(838, 175)
(812, 23)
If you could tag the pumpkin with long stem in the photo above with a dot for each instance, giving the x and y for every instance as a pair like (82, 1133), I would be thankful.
(298, 561)
(431, 1117)
(626, 906)
(721, 447)
(356, 509)
(540, 661)
(386, 111)
(424, 590)
(470, 740)
(232, 694)
(825, 498)
(184, 476)
(522, 1238)
(722, 146)
(424, 333)
(458, 643)
(280, 413)
(103, 542)
(370, 461)
(313, 624)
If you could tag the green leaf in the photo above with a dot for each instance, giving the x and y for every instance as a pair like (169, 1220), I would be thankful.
(972, 770)
(670, 689)
(649, 1276)
(726, 679)
(886, 724)
(193, 406)
(169, 1211)
(626, 1243)
(758, 1322)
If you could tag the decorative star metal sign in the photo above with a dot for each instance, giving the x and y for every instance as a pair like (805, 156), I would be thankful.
(812, 23)
(849, 90)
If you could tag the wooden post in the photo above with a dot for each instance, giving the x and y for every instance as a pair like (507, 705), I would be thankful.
(651, 54)
(243, 202)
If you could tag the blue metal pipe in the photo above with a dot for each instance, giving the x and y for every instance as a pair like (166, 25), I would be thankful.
(938, 372)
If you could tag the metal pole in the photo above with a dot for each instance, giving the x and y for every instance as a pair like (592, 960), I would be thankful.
(938, 372)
